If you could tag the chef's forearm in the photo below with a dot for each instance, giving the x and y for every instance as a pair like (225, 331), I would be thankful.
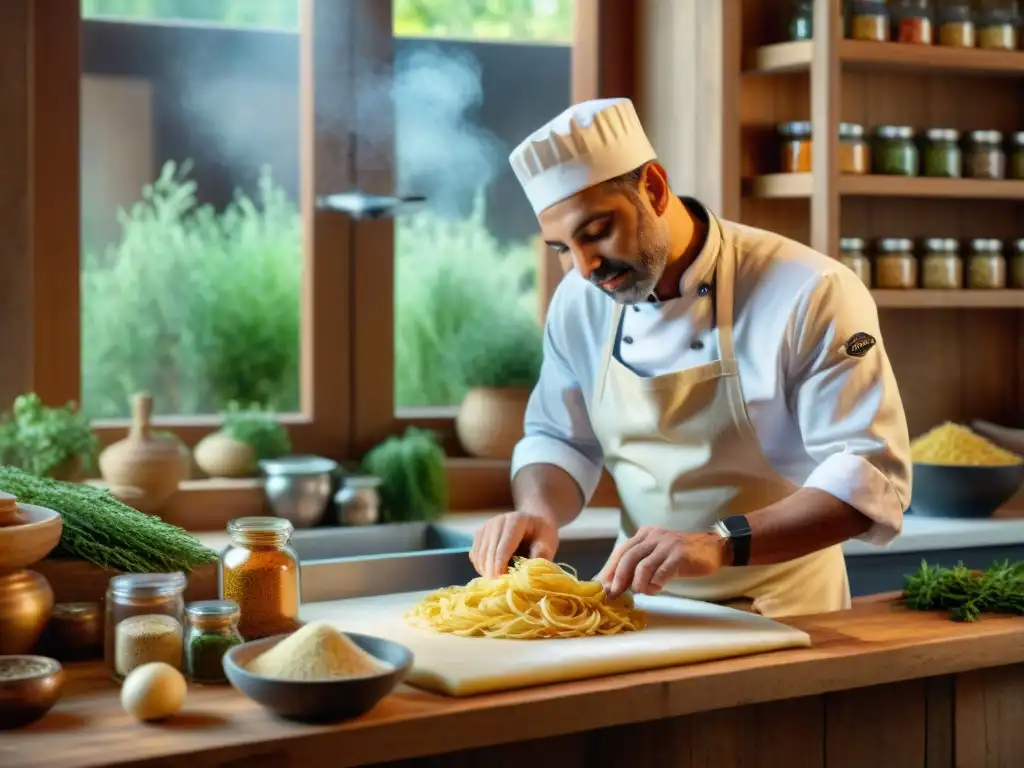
(548, 490)
(804, 522)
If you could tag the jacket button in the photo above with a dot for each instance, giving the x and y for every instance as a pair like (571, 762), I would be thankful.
(697, 344)
(636, 307)
(627, 339)
(703, 289)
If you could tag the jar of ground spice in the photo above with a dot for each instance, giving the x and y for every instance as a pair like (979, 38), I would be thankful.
(144, 621)
(895, 153)
(985, 158)
(868, 20)
(941, 267)
(801, 20)
(895, 265)
(996, 22)
(1017, 155)
(911, 21)
(212, 632)
(956, 25)
(854, 153)
(1017, 265)
(796, 146)
(986, 267)
(942, 157)
(260, 572)
(851, 253)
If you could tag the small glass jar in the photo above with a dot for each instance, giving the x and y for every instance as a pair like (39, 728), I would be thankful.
(911, 21)
(942, 157)
(796, 146)
(986, 267)
(212, 632)
(997, 26)
(895, 153)
(895, 265)
(852, 255)
(985, 158)
(956, 24)
(941, 267)
(854, 153)
(145, 614)
(75, 632)
(1017, 265)
(868, 20)
(1017, 155)
(259, 571)
(801, 20)
(358, 501)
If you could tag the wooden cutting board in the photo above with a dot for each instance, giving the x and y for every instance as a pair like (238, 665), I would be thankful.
(680, 631)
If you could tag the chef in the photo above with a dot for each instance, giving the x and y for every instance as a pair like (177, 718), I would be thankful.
(733, 382)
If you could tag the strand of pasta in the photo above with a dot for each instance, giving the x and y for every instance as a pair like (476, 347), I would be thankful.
(535, 599)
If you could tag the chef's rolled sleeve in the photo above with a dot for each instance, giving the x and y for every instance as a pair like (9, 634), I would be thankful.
(848, 407)
(557, 426)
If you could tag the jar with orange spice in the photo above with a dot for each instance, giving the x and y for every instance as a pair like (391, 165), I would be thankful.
(911, 21)
(796, 146)
(260, 572)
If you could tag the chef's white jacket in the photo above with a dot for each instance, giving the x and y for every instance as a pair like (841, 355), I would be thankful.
(824, 419)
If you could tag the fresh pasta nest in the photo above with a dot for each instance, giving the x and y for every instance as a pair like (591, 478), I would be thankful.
(536, 599)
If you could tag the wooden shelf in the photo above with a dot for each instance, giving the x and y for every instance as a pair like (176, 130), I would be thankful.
(795, 185)
(922, 299)
(780, 58)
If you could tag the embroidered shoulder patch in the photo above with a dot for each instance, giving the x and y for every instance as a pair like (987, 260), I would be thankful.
(859, 344)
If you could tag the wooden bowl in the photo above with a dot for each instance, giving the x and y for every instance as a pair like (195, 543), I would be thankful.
(24, 545)
(319, 701)
(965, 492)
(29, 687)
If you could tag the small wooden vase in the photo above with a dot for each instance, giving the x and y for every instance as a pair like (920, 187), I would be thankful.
(153, 464)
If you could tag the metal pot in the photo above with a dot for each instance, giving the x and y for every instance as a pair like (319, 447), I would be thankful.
(299, 487)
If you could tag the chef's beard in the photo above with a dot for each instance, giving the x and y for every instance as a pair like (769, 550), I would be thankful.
(644, 268)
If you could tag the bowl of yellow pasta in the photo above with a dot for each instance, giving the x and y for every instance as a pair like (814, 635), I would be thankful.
(959, 473)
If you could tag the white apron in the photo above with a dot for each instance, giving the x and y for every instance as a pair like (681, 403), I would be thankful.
(683, 454)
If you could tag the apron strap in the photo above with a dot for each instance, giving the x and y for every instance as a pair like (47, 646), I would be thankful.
(609, 349)
(724, 288)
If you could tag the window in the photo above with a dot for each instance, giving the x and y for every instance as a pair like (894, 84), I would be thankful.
(277, 14)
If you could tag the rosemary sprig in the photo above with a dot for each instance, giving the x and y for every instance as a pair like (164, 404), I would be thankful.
(967, 593)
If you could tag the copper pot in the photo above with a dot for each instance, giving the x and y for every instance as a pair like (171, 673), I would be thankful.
(26, 600)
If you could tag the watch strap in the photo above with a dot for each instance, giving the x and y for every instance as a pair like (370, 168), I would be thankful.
(737, 530)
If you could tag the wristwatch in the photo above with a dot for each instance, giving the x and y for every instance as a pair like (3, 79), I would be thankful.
(736, 529)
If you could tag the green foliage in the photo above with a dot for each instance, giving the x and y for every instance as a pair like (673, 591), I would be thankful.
(501, 351)
(967, 593)
(39, 439)
(198, 307)
(413, 484)
(258, 429)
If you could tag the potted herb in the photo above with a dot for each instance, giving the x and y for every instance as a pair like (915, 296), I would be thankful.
(246, 436)
(47, 442)
(500, 364)
(413, 483)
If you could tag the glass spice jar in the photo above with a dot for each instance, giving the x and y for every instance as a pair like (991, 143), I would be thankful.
(851, 254)
(996, 23)
(796, 146)
(941, 267)
(1017, 265)
(801, 20)
(1017, 155)
(985, 158)
(854, 153)
(358, 500)
(868, 20)
(260, 572)
(895, 153)
(986, 267)
(911, 21)
(212, 632)
(942, 157)
(144, 621)
(895, 265)
(956, 25)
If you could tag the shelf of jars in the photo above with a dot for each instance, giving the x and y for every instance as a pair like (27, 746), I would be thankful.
(798, 185)
(953, 299)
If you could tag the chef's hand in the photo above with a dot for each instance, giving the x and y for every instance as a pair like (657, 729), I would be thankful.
(501, 537)
(655, 556)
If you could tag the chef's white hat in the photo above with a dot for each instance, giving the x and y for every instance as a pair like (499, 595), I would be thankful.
(588, 143)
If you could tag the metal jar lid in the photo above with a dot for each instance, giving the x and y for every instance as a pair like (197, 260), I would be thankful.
(896, 245)
(1017, 139)
(942, 134)
(1018, 247)
(851, 244)
(986, 137)
(851, 131)
(987, 245)
(795, 129)
(941, 245)
(894, 132)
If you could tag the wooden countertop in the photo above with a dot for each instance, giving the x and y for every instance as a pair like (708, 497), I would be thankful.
(876, 642)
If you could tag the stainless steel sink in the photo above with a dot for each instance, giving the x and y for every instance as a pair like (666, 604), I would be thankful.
(371, 540)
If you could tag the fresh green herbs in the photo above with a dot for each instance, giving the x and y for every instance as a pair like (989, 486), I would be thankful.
(967, 593)
(258, 428)
(102, 530)
(413, 484)
(46, 441)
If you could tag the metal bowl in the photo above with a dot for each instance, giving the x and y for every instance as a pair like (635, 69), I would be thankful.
(29, 687)
(318, 701)
(942, 490)
(299, 487)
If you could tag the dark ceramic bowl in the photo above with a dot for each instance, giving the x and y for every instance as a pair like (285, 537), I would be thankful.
(318, 701)
(29, 687)
(941, 490)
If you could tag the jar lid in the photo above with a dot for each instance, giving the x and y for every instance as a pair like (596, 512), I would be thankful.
(896, 244)
(986, 137)
(894, 132)
(955, 12)
(361, 481)
(75, 611)
(941, 245)
(851, 244)
(795, 129)
(1018, 139)
(987, 245)
(942, 134)
(213, 610)
(298, 465)
(1018, 245)
(851, 130)
(147, 584)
